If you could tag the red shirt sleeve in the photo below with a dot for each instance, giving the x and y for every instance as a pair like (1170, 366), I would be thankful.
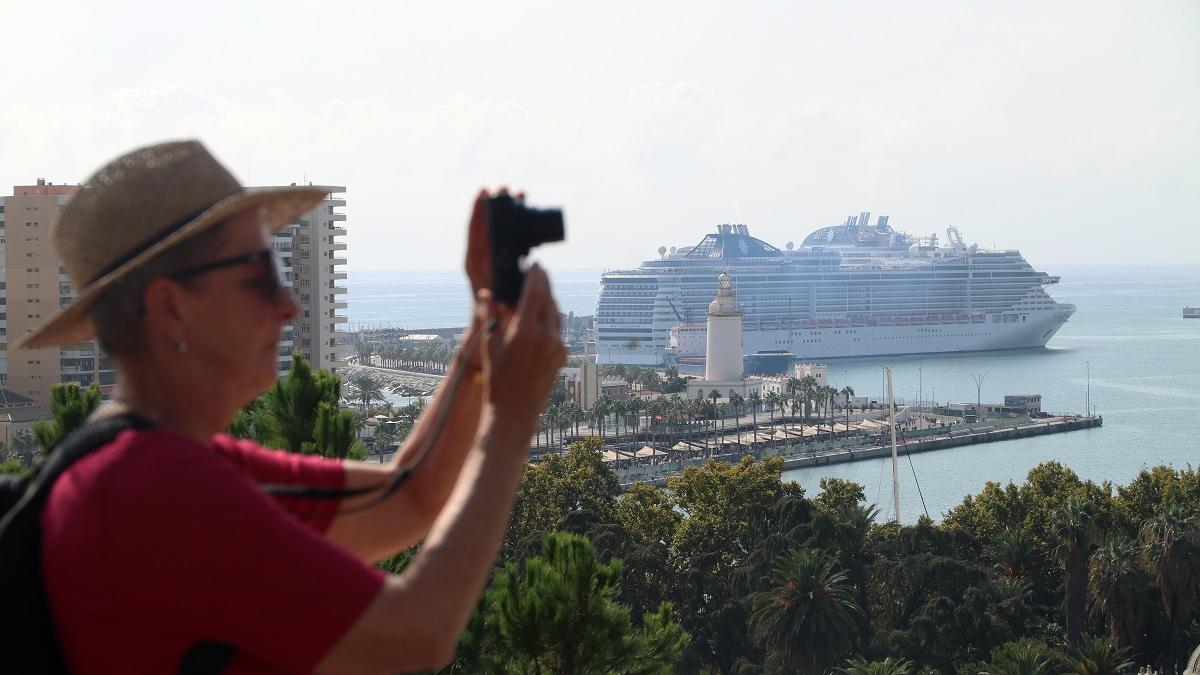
(278, 467)
(156, 543)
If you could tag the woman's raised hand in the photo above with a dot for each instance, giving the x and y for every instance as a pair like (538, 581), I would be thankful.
(522, 356)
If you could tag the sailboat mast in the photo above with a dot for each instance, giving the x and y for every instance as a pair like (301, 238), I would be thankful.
(895, 462)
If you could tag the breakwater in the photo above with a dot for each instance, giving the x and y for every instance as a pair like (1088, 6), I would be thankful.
(806, 455)
(401, 382)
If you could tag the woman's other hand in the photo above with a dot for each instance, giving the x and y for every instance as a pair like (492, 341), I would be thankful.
(521, 358)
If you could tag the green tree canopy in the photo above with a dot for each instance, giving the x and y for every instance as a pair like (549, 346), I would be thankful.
(561, 616)
(70, 406)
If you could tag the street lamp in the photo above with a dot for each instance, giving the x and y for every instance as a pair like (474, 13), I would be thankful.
(1088, 399)
(978, 397)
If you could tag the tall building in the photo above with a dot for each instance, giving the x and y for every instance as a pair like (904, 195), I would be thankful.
(312, 259)
(35, 286)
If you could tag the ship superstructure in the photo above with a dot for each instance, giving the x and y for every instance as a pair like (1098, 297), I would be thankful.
(853, 289)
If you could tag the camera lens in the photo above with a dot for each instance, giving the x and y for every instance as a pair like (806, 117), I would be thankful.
(539, 226)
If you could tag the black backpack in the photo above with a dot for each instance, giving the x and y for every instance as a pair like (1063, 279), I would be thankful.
(28, 643)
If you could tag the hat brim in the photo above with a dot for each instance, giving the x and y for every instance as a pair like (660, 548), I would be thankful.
(279, 205)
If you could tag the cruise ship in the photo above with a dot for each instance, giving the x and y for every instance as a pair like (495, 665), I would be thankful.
(848, 290)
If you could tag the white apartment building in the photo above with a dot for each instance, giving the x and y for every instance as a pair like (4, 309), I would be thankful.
(312, 259)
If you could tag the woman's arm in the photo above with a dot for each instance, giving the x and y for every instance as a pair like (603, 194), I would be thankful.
(405, 518)
(414, 622)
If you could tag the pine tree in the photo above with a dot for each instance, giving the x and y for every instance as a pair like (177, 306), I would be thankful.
(333, 432)
(561, 616)
(290, 408)
(70, 407)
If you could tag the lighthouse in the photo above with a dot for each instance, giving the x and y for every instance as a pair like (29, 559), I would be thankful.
(723, 363)
(723, 353)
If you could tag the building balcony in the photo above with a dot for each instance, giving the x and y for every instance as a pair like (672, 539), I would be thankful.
(339, 305)
(337, 231)
(77, 354)
(338, 246)
(338, 276)
(337, 216)
(336, 202)
(339, 261)
(339, 319)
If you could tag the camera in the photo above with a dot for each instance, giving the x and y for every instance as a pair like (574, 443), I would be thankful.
(515, 229)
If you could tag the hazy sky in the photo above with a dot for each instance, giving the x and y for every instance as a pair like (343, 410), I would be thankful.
(1070, 130)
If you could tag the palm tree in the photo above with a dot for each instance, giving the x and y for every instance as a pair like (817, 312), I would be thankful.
(847, 391)
(634, 407)
(1024, 657)
(808, 392)
(1098, 656)
(618, 413)
(756, 401)
(1173, 540)
(889, 666)
(1075, 528)
(827, 394)
(366, 389)
(712, 411)
(736, 401)
(1116, 581)
(806, 618)
(774, 399)
(793, 389)
(1013, 553)
(600, 410)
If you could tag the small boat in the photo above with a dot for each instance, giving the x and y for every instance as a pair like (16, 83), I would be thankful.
(1191, 312)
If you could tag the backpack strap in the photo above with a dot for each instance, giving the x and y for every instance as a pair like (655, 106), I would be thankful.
(27, 634)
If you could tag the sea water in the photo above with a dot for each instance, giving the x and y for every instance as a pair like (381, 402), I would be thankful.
(1127, 346)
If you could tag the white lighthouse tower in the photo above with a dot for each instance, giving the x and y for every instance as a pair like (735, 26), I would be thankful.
(723, 364)
(723, 355)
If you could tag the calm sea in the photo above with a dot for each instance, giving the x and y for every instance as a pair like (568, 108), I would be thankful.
(1144, 362)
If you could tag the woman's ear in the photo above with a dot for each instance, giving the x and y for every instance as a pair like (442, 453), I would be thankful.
(161, 303)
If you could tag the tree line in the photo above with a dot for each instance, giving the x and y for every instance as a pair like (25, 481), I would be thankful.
(749, 574)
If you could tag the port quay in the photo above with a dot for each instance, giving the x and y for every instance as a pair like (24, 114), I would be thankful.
(812, 446)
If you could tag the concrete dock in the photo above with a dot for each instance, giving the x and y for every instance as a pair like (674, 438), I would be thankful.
(803, 455)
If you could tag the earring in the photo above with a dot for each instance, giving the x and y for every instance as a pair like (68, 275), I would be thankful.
(181, 346)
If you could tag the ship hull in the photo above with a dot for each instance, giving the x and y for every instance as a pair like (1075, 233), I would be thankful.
(1021, 331)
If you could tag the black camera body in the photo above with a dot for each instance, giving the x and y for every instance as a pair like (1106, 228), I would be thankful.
(514, 230)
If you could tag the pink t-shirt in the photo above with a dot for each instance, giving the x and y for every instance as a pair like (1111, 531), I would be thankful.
(155, 543)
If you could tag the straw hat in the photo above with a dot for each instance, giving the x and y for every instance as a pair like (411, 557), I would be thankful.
(139, 205)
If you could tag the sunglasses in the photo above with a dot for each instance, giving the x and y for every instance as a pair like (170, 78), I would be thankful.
(270, 286)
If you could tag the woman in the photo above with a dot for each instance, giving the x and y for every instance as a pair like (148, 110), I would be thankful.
(164, 539)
